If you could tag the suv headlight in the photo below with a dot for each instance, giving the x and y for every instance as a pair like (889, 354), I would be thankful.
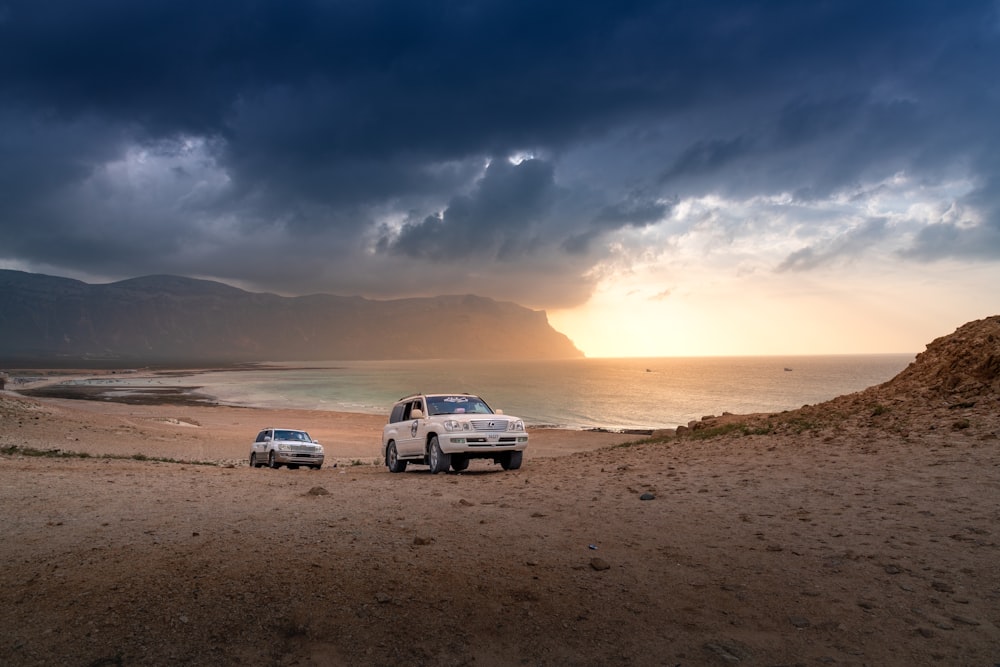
(455, 425)
(284, 447)
(516, 425)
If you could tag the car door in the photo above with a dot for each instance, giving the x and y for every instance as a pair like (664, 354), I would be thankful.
(410, 438)
(255, 448)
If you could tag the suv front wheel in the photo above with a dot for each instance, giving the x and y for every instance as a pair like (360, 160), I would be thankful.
(436, 459)
(511, 460)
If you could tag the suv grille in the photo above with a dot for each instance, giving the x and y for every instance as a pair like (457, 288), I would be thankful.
(489, 424)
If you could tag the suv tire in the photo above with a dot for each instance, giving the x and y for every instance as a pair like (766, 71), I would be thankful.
(511, 460)
(392, 460)
(436, 459)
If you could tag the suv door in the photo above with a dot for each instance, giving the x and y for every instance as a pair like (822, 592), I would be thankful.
(410, 439)
(257, 448)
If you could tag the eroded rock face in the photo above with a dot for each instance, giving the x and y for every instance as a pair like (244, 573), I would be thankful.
(954, 385)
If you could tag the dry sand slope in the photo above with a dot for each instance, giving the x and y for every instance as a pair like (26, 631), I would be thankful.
(858, 532)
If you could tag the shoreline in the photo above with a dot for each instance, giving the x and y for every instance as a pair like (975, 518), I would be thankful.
(86, 386)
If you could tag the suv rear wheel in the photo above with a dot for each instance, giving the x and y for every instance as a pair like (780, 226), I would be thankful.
(392, 460)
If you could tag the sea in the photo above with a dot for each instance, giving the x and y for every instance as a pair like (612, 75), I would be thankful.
(621, 394)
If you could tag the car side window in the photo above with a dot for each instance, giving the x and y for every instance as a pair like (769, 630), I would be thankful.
(260, 436)
(397, 413)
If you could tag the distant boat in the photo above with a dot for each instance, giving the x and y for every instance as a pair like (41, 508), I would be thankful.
(787, 369)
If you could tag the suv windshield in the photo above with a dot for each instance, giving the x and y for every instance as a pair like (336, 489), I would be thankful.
(292, 435)
(453, 405)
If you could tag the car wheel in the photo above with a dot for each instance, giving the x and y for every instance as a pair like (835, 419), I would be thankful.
(253, 460)
(317, 467)
(459, 463)
(438, 460)
(511, 460)
(271, 463)
(392, 460)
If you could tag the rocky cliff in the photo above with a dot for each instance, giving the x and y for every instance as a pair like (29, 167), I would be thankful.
(170, 319)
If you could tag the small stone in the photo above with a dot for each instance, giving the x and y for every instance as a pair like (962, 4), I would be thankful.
(383, 598)
(799, 621)
(422, 541)
(892, 569)
(965, 620)
(599, 564)
(318, 491)
(647, 496)
(942, 587)
(465, 503)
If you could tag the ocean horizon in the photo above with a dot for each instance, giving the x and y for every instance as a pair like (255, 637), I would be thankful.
(591, 393)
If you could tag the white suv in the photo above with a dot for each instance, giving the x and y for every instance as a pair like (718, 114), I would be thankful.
(448, 430)
(285, 446)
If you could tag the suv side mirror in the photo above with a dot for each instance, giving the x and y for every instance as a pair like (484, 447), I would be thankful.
(499, 412)
(267, 438)
(416, 414)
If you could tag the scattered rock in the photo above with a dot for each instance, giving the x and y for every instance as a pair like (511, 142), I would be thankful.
(942, 587)
(728, 651)
(422, 541)
(599, 564)
(965, 620)
(317, 491)
(647, 496)
(799, 621)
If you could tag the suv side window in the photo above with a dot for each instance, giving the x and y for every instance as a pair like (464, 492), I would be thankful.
(397, 413)
(410, 407)
(260, 436)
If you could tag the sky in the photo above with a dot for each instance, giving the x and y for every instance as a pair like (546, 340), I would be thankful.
(667, 178)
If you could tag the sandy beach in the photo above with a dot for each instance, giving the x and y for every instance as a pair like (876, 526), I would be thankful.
(858, 532)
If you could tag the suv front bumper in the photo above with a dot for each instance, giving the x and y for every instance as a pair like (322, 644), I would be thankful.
(297, 458)
(482, 443)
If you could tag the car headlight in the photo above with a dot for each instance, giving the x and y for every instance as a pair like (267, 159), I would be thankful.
(516, 425)
(455, 425)
(284, 447)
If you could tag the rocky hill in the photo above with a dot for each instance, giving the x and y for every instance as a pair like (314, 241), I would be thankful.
(953, 386)
(170, 319)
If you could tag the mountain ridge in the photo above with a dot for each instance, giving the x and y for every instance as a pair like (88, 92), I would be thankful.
(175, 319)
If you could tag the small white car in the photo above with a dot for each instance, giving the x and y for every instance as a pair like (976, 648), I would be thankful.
(449, 430)
(285, 446)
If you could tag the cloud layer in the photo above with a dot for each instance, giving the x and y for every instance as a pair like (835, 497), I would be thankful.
(509, 149)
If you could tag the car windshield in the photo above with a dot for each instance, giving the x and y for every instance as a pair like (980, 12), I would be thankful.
(454, 405)
(301, 436)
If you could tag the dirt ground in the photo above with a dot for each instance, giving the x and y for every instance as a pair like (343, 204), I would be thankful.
(844, 535)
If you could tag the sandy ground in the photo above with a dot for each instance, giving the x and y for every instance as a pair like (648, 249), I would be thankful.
(821, 539)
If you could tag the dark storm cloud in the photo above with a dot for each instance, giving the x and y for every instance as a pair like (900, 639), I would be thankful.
(358, 131)
(494, 222)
